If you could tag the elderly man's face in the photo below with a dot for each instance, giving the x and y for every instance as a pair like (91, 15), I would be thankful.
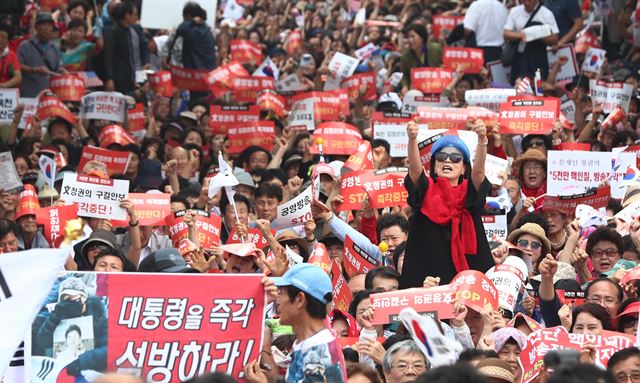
(405, 367)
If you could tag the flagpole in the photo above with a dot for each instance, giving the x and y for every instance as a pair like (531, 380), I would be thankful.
(237, 217)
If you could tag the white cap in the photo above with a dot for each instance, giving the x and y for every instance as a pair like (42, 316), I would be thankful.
(391, 97)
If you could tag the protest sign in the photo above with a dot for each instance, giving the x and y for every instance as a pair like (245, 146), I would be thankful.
(493, 166)
(151, 209)
(596, 198)
(261, 133)
(8, 102)
(353, 84)
(499, 74)
(233, 10)
(341, 293)
(488, 98)
(529, 115)
(575, 298)
(136, 118)
(294, 212)
(326, 105)
(391, 127)
(116, 161)
(253, 235)
(365, 52)
(289, 83)
(207, 227)
(431, 80)
(96, 197)
(341, 66)
(189, 79)
(593, 60)
(411, 103)
(53, 219)
(110, 106)
(356, 260)
(222, 117)
(245, 51)
(568, 108)
(162, 14)
(161, 83)
(337, 138)
(153, 325)
(246, 88)
(30, 109)
(495, 227)
(220, 79)
(585, 41)
(9, 180)
(467, 60)
(536, 32)
(49, 106)
(68, 87)
(569, 70)
(443, 25)
(385, 187)
(573, 146)
(611, 95)
(114, 134)
(301, 116)
(351, 191)
(571, 170)
(508, 278)
(271, 101)
(454, 118)
(360, 160)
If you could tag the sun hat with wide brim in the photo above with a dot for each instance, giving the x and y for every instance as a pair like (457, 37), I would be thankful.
(531, 154)
(495, 368)
(535, 230)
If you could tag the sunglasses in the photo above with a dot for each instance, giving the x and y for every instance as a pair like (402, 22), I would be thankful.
(454, 157)
(524, 244)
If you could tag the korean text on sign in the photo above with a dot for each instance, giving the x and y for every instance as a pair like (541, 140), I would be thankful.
(96, 197)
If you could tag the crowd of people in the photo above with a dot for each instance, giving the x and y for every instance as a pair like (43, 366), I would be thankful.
(434, 233)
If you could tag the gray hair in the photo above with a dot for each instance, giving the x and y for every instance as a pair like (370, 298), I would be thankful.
(407, 346)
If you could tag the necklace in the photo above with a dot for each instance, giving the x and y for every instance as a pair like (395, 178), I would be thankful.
(562, 241)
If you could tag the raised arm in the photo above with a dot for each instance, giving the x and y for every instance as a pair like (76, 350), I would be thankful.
(477, 172)
(415, 165)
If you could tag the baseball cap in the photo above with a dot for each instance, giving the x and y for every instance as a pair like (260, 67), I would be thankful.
(389, 99)
(101, 236)
(44, 17)
(631, 309)
(166, 260)
(309, 278)
(245, 178)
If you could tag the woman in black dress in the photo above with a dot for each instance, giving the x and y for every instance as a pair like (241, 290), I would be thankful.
(447, 235)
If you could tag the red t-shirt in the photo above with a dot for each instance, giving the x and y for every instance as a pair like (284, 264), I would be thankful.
(9, 64)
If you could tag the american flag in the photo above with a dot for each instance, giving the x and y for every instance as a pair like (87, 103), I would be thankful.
(524, 86)
(91, 79)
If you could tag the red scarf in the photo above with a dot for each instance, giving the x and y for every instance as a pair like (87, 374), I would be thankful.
(444, 204)
(536, 193)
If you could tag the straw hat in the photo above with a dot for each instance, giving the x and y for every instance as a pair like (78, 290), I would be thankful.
(531, 154)
(535, 230)
(496, 368)
(631, 195)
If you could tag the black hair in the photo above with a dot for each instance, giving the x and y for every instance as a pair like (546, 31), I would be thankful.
(382, 272)
(269, 191)
(112, 252)
(420, 30)
(76, 23)
(605, 279)
(472, 354)
(238, 198)
(380, 142)
(180, 199)
(60, 120)
(580, 373)
(214, 377)
(246, 154)
(625, 319)
(7, 29)
(193, 9)
(534, 218)
(315, 308)
(357, 298)
(123, 9)
(77, 3)
(350, 355)
(361, 369)
(621, 138)
(189, 130)
(284, 342)
(72, 328)
(596, 311)
(8, 226)
(629, 245)
(399, 250)
(622, 355)
(389, 220)
(526, 141)
(614, 205)
(460, 373)
(270, 174)
(149, 141)
(605, 234)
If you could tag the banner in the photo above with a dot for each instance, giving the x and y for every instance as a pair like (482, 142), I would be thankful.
(207, 226)
(246, 88)
(222, 117)
(337, 138)
(356, 260)
(49, 106)
(443, 25)
(495, 227)
(611, 95)
(342, 295)
(391, 127)
(151, 209)
(23, 288)
(271, 101)
(529, 115)
(96, 197)
(110, 106)
(569, 70)
(352, 191)
(488, 98)
(294, 212)
(161, 83)
(261, 133)
(468, 60)
(385, 187)
(116, 161)
(114, 134)
(68, 87)
(431, 80)
(162, 327)
(353, 84)
(189, 79)
(454, 118)
(245, 51)
(8, 102)
(596, 198)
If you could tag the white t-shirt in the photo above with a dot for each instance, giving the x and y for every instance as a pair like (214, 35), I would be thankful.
(487, 18)
(518, 17)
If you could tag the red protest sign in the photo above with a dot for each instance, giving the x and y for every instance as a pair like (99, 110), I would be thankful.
(261, 133)
(475, 290)
(116, 161)
(207, 225)
(271, 101)
(327, 105)
(430, 80)
(575, 298)
(586, 41)
(253, 235)
(114, 134)
(362, 159)
(246, 51)
(529, 115)
(351, 191)
(295, 41)
(222, 117)
(385, 187)
(137, 119)
(189, 79)
(469, 60)
(52, 5)
(151, 209)
(454, 118)
(168, 326)
(161, 83)
(596, 198)
(49, 106)
(68, 87)
(443, 25)
(246, 88)
(353, 83)
(356, 260)
(574, 146)
(320, 257)
(436, 302)
(220, 79)
(337, 138)
(341, 293)
(53, 220)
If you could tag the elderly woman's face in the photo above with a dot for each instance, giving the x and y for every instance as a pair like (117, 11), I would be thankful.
(587, 324)
(510, 353)
(449, 164)
(531, 245)
(533, 174)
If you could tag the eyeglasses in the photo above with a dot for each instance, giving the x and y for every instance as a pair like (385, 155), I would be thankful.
(524, 244)
(532, 167)
(598, 253)
(404, 367)
(634, 377)
(454, 157)
(607, 301)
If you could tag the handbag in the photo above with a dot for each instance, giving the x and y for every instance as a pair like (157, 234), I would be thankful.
(510, 48)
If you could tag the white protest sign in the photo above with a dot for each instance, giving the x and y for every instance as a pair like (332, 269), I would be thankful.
(293, 257)
(110, 106)
(294, 212)
(163, 14)
(9, 179)
(23, 289)
(569, 109)
(30, 109)
(8, 102)
(499, 74)
(301, 117)
(96, 197)
(536, 32)
(410, 103)
(495, 227)
(568, 170)
(395, 133)
(366, 51)
(593, 60)
(570, 69)
(611, 94)
(289, 83)
(493, 166)
(508, 278)
(488, 98)
(395, 78)
(341, 66)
